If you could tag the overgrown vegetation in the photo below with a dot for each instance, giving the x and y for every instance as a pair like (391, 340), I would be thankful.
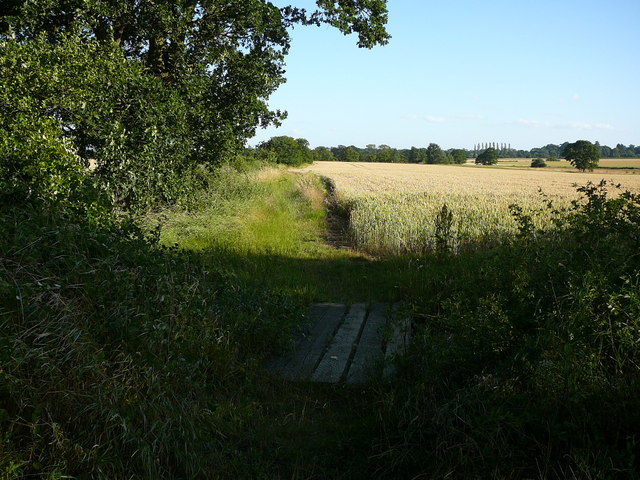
(526, 360)
(120, 358)
(132, 346)
(124, 358)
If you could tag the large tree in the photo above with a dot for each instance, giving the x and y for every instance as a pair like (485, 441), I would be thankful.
(458, 156)
(435, 154)
(488, 157)
(201, 77)
(287, 150)
(582, 154)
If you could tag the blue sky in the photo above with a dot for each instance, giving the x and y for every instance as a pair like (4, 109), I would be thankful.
(460, 72)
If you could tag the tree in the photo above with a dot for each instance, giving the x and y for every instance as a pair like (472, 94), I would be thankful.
(351, 154)
(385, 154)
(323, 154)
(538, 163)
(418, 155)
(287, 150)
(435, 154)
(488, 157)
(582, 154)
(199, 77)
(458, 156)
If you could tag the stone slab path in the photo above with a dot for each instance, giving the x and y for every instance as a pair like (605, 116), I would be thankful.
(346, 344)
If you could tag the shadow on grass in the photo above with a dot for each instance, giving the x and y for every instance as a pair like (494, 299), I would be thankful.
(342, 278)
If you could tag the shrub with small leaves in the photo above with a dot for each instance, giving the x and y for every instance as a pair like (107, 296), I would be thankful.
(538, 163)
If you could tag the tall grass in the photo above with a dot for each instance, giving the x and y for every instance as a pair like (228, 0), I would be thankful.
(119, 355)
(394, 209)
(271, 233)
(525, 362)
(137, 353)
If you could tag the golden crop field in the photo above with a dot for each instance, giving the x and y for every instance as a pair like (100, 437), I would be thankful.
(604, 164)
(395, 207)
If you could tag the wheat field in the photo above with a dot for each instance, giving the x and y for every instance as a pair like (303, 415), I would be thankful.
(406, 208)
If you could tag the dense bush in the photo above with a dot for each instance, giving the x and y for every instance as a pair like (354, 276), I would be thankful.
(120, 358)
(77, 104)
(538, 163)
(526, 362)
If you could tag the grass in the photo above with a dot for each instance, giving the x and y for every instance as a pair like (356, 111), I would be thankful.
(398, 209)
(273, 234)
(492, 328)
(122, 358)
(125, 358)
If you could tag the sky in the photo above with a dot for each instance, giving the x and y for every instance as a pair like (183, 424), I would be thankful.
(461, 72)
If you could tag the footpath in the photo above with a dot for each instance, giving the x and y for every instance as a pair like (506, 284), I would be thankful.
(346, 344)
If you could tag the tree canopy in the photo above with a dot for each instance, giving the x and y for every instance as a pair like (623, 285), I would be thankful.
(488, 157)
(170, 84)
(582, 154)
(287, 150)
(435, 154)
(458, 156)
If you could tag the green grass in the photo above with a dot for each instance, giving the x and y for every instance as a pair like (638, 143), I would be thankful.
(273, 235)
(120, 358)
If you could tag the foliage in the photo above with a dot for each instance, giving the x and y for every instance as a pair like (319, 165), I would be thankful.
(99, 109)
(538, 163)
(525, 362)
(582, 154)
(152, 92)
(488, 157)
(385, 153)
(323, 154)
(121, 358)
(435, 155)
(458, 156)
(287, 150)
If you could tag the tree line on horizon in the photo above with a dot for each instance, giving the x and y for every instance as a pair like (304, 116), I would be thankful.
(290, 151)
(556, 151)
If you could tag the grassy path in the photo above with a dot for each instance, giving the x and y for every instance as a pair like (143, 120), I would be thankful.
(121, 359)
(269, 234)
(275, 236)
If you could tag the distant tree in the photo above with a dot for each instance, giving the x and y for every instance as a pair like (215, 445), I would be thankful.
(287, 150)
(582, 154)
(399, 156)
(305, 152)
(538, 163)
(458, 156)
(435, 154)
(351, 154)
(323, 154)
(369, 153)
(418, 155)
(488, 157)
(385, 154)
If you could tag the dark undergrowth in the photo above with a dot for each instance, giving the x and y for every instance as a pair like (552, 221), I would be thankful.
(119, 358)
(123, 358)
(526, 361)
